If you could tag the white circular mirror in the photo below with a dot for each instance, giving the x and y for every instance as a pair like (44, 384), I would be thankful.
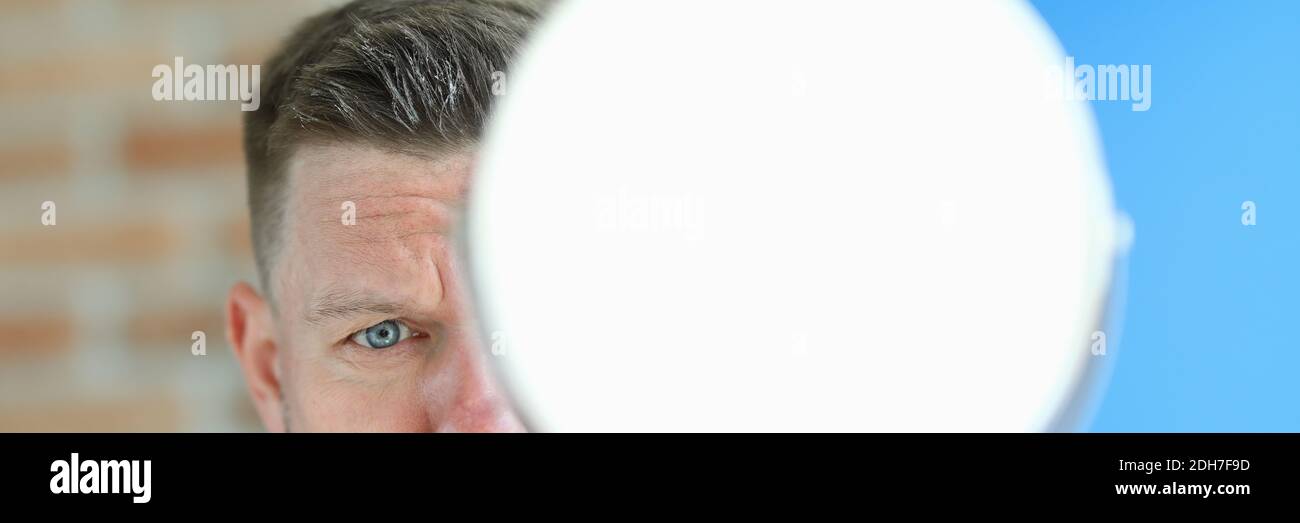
(765, 216)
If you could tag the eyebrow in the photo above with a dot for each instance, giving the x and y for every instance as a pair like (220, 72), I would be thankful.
(346, 304)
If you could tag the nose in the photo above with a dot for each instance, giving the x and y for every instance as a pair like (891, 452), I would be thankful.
(473, 400)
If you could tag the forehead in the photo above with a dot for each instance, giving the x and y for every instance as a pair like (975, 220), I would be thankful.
(405, 209)
(324, 177)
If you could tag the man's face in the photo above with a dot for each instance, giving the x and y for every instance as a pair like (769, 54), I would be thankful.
(372, 326)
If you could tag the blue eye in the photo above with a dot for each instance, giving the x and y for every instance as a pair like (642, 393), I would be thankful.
(382, 335)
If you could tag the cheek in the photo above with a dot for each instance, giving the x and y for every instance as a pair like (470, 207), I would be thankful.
(326, 402)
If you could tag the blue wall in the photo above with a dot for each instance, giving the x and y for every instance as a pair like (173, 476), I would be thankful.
(1209, 340)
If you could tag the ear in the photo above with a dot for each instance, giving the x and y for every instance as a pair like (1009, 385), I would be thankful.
(249, 329)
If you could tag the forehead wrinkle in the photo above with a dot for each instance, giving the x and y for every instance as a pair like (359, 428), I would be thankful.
(381, 252)
(405, 211)
(412, 233)
(409, 202)
(445, 182)
(411, 199)
(370, 246)
(394, 253)
(381, 185)
(392, 239)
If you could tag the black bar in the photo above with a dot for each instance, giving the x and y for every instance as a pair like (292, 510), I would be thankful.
(547, 471)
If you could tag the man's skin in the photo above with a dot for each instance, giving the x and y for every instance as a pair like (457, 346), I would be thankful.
(330, 281)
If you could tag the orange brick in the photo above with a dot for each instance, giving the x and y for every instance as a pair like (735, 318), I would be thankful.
(173, 328)
(41, 159)
(99, 70)
(154, 149)
(68, 243)
(156, 412)
(35, 336)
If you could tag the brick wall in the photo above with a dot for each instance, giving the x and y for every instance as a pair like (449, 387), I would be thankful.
(96, 312)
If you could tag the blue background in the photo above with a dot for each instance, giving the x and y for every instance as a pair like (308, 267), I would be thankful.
(1209, 333)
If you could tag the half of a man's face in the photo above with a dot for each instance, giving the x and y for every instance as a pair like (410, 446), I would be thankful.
(373, 318)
